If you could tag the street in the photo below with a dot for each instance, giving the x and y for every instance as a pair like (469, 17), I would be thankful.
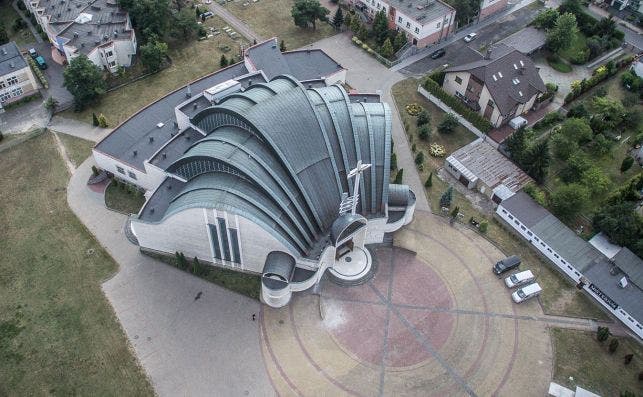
(489, 34)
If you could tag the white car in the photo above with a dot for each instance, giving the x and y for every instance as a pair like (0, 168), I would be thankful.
(518, 279)
(470, 37)
(525, 293)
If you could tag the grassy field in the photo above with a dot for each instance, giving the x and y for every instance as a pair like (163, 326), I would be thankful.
(78, 149)
(121, 199)
(7, 17)
(579, 355)
(195, 59)
(58, 333)
(559, 296)
(271, 18)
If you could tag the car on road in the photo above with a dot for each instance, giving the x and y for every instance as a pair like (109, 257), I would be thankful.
(506, 264)
(438, 53)
(470, 37)
(525, 293)
(40, 61)
(520, 278)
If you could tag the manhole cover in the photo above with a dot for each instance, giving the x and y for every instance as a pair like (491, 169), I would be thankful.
(348, 259)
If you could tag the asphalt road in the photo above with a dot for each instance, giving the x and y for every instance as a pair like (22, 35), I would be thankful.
(486, 35)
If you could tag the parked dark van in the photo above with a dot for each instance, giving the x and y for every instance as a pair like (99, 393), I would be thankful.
(506, 264)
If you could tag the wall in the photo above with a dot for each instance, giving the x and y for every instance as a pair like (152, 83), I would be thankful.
(562, 265)
(338, 77)
(110, 164)
(26, 82)
(450, 85)
(490, 7)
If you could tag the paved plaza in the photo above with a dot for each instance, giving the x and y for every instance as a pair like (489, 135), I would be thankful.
(433, 323)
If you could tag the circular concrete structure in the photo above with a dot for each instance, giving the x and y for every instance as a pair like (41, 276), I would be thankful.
(353, 266)
(434, 323)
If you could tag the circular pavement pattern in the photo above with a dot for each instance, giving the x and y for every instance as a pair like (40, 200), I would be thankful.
(432, 324)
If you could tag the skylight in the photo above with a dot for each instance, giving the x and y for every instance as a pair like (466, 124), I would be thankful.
(494, 77)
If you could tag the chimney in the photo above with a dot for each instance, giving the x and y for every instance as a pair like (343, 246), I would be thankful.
(189, 92)
(135, 153)
(521, 70)
(487, 54)
(151, 139)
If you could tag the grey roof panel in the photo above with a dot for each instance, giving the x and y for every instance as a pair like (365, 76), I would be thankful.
(12, 61)
(631, 265)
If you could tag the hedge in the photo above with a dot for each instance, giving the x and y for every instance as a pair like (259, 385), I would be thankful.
(454, 103)
(37, 72)
(599, 75)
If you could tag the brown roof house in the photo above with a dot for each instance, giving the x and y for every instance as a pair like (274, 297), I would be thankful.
(500, 85)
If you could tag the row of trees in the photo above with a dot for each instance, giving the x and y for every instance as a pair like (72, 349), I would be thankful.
(386, 41)
(531, 154)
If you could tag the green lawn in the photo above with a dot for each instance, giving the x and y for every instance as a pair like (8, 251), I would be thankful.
(78, 149)
(122, 199)
(579, 355)
(8, 15)
(559, 296)
(189, 62)
(58, 333)
(271, 18)
(559, 64)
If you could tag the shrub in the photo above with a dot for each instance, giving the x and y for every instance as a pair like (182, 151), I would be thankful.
(399, 176)
(628, 358)
(429, 181)
(448, 124)
(627, 163)
(393, 161)
(484, 225)
(413, 109)
(438, 77)
(549, 120)
(94, 119)
(454, 103)
(423, 118)
(419, 158)
(414, 148)
(446, 198)
(424, 133)
(94, 170)
(102, 121)
(1, 136)
(602, 333)
(613, 346)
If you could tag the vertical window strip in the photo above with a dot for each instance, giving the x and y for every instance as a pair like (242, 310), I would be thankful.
(215, 241)
(224, 239)
(234, 240)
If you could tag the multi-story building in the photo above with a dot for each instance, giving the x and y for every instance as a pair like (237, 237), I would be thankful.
(99, 29)
(16, 78)
(424, 22)
(500, 85)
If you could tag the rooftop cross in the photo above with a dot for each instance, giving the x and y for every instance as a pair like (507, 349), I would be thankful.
(352, 200)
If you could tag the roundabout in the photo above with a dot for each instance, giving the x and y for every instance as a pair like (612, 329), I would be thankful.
(432, 321)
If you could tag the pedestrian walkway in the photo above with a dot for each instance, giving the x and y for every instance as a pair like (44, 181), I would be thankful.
(236, 23)
(459, 35)
(78, 129)
(33, 30)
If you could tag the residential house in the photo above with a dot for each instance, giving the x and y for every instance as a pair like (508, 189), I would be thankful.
(500, 85)
(424, 22)
(16, 78)
(99, 29)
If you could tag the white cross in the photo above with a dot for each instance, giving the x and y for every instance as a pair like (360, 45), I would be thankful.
(357, 173)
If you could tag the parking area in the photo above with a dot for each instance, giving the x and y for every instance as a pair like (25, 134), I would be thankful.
(435, 321)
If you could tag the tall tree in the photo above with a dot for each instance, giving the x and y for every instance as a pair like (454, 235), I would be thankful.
(306, 13)
(576, 130)
(622, 224)
(561, 35)
(153, 54)
(4, 37)
(400, 40)
(536, 160)
(355, 24)
(84, 81)
(569, 200)
(387, 49)
(546, 19)
(184, 24)
(380, 27)
(338, 18)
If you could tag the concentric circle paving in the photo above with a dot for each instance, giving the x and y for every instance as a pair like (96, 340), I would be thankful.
(432, 324)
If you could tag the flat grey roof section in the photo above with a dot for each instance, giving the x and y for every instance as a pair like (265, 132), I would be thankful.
(629, 298)
(12, 61)
(420, 11)
(488, 164)
(631, 265)
(176, 147)
(134, 133)
(367, 98)
(552, 231)
(304, 65)
(161, 199)
(527, 40)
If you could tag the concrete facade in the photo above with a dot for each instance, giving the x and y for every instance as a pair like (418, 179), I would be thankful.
(16, 78)
(491, 7)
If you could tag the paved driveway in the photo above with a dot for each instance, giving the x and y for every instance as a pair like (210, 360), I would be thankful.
(188, 347)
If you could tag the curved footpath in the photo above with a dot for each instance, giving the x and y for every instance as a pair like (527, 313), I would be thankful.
(186, 346)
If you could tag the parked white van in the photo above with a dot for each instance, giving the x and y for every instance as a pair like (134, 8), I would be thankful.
(519, 279)
(526, 293)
